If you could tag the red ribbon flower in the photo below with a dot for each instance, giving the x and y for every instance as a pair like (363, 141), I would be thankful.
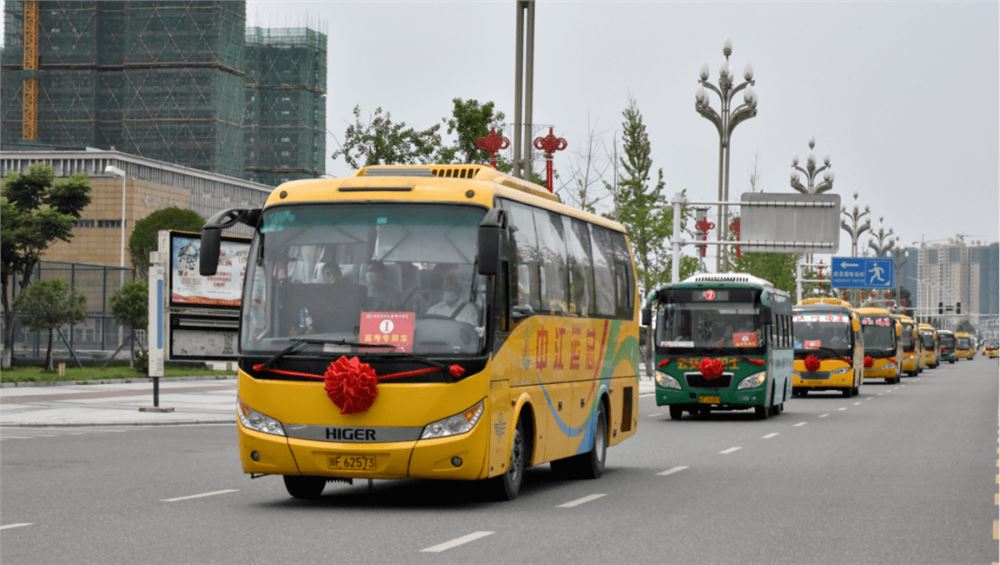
(351, 384)
(812, 363)
(869, 362)
(711, 369)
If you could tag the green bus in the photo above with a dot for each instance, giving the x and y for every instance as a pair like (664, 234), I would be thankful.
(721, 341)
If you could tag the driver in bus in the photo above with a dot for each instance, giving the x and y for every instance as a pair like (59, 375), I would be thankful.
(452, 304)
(381, 297)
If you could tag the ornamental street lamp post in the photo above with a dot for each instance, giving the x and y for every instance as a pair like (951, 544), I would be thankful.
(491, 144)
(811, 172)
(855, 223)
(725, 120)
(549, 144)
(881, 241)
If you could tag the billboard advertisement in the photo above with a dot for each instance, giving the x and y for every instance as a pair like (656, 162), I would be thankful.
(189, 288)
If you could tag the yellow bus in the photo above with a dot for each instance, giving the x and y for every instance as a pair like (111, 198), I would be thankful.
(883, 344)
(964, 348)
(434, 322)
(829, 347)
(930, 339)
(912, 346)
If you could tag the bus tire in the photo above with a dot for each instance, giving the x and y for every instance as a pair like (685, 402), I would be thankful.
(306, 488)
(588, 465)
(508, 485)
(761, 412)
(676, 413)
(856, 391)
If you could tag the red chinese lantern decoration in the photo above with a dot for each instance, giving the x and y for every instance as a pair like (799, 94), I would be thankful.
(549, 144)
(734, 226)
(869, 362)
(491, 144)
(812, 363)
(704, 226)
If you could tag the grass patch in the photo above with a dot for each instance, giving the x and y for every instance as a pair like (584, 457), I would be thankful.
(38, 375)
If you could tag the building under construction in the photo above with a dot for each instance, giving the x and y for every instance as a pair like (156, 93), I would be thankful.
(178, 81)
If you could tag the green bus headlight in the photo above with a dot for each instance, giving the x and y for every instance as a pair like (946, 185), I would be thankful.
(666, 381)
(753, 381)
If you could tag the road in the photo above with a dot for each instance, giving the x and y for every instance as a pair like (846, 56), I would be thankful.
(902, 474)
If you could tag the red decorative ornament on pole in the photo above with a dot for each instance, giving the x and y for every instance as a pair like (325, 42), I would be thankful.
(549, 144)
(704, 226)
(820, 268)
(491, 144)
(734, 226)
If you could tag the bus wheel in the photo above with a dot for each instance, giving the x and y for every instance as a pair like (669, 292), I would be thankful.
(508, 485)
(308, 488)
(588, 465)
(761, 412)
(676, 413)
(856, 391)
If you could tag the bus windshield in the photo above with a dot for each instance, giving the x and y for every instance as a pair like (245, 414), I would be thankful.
(823, 331)
(725, 321)
(879, 333)
(400, 275)
(907, 339)
(964, 343)
(948, 341)
(928, 339)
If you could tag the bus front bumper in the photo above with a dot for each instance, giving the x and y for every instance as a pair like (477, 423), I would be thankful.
(458, 457)
(882, 369)
(715, 399)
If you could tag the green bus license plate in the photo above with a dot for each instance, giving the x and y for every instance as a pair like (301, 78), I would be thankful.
(353, 462)
(709, 400)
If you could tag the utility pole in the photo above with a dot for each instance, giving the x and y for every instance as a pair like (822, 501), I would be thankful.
(524, 56)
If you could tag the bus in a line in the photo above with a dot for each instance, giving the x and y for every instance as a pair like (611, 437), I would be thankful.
(722, 342)
(434, 322)
(933, 342)
(912, 346)
(829, 347)
(964, 347)
(883, 344)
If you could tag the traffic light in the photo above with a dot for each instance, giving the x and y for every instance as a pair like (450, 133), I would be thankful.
(958, 307)
(940, 308)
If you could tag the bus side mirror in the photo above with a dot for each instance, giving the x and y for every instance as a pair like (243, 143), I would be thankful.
(489, 242)
(211, 236)
(647, 316)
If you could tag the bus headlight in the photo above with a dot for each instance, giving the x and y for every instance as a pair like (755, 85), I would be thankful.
(454, 425)
(666, 381)
(753, 381)
(841, 371)
(256, 421)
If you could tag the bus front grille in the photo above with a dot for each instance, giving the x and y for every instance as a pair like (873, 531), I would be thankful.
(814, 375)
(698, 381)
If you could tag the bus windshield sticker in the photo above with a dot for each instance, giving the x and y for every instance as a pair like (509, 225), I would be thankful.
(745, 339)
(812, 344)
(881, 322)
(393, 328)
(676, 344)
(829, 318)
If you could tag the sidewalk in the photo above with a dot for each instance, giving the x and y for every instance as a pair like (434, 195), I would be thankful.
(194, 402)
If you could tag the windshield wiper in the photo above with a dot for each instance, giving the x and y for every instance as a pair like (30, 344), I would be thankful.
(299, 343)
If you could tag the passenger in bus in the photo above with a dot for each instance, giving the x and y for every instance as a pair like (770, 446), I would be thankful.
(380, 296)
(453, 305)
(340, 299)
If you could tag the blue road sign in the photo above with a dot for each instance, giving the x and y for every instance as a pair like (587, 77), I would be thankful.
(860, 272)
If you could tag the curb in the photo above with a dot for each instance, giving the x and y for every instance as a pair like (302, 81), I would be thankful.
(129, 380)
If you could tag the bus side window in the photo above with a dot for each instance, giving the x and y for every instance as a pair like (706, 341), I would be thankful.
(555, 279)
(525, 286)
(604, 276)
(623, 277)
(581, 271)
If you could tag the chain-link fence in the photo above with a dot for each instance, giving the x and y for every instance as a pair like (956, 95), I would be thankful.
(99, 335)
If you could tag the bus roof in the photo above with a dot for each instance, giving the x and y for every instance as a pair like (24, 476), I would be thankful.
(455, 184)
(822, 307)
(946, 332)
(873, 311)
(724, 280)
(926, 326)
(824, 300)
(904, 318)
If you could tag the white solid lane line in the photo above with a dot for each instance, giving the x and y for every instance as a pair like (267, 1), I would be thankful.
(730, 450)
(799, 425)
(769, 436)
(671, 471)
(582, 500)
(456, 542)
(824, 415)
(21, 525)
(201, 495)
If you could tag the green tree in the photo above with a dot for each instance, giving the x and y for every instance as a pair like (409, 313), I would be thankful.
(130, 306)
(35, 211)
(48, 305)
(778, 268)
(469, 121)
(144, 236)
(381, 141)
(640, 203)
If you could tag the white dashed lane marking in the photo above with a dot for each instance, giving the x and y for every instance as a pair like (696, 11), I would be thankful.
(769, 436)
(799, 425)
(671, 471)
(582, 500)
(456, 542)
(654, 414)
(200, 495)
(824, 415)
(20, 525)
(858, 403)
(730, 450)
(842, 408)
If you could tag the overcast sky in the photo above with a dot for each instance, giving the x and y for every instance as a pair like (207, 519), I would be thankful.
(902, 95)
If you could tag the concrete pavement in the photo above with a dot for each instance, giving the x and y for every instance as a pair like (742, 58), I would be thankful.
(193, 402)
